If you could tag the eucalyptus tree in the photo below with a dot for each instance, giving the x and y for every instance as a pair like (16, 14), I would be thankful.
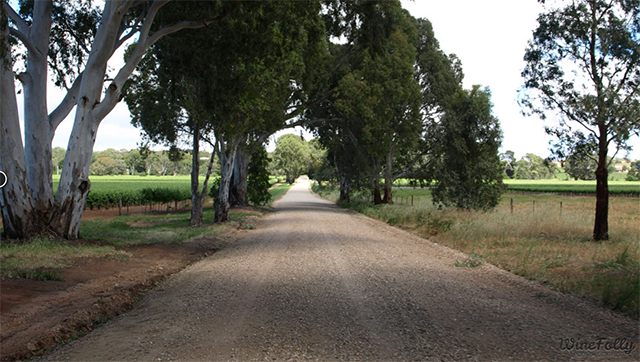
(439, 76)
(166, 101)
(397, 97)
(383, 96)
(533, 167)
(583, 63)
(76, 40)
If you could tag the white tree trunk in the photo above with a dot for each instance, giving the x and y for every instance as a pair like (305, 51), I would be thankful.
(90, 110)
(197, 200)
(15, 199)
(37, 128)
(74, 180)
(239, 192)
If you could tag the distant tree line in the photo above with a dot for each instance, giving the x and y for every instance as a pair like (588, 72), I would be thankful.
(576, 166)
(137, 162)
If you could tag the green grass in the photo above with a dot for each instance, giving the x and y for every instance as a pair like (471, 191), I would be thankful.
(542, 240)
(275, 179)
(278, 191)
(106, 190)
(115, 183)
(149, 228)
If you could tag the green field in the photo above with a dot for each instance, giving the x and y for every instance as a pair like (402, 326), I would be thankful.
(135, 183)
(559, 186)
(572, 186)
(106, 190)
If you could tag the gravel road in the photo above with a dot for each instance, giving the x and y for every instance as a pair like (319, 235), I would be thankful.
(316, 282)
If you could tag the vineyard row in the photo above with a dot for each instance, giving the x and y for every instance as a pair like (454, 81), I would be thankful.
(144, 196)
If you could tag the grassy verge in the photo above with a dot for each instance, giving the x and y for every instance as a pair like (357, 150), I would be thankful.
(42, 259)
(278, 191)
(546, 239)
(275, 179)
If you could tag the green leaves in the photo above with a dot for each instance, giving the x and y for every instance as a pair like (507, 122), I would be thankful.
(468, 171)
(584, 63)
(292, 156)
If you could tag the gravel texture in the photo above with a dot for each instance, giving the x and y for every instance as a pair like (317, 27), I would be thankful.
(316, 282)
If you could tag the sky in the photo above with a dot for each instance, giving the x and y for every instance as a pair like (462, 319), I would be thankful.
(488, 36)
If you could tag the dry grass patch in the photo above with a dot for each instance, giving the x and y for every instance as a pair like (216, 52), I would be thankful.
(553, 245)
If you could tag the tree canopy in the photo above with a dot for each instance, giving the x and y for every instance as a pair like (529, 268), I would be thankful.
(467, 171)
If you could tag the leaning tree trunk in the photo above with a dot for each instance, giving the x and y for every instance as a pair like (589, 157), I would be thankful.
(93, 104)
(239, 191)
(344, 189)
(196, 199)
(197, 196)
(377, 199)
(388, 179)
(601, 226)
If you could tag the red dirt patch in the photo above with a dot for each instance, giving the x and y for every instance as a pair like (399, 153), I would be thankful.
(37, 315)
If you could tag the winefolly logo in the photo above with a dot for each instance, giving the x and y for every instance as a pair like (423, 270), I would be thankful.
(598, 344)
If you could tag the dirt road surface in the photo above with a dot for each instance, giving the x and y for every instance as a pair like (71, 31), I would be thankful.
(316, 282)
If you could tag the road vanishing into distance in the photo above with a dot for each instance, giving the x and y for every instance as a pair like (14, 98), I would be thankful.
(317, 282)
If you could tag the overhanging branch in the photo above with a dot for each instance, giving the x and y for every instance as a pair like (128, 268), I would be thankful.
(304, 122)
(17, 19)
(26, 41)
(64, 108)
(182, 25)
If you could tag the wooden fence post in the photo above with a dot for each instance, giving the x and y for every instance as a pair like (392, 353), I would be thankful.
(512, 205)
(120, 206)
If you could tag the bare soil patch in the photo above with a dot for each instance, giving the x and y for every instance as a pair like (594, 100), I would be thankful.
(37, 315)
